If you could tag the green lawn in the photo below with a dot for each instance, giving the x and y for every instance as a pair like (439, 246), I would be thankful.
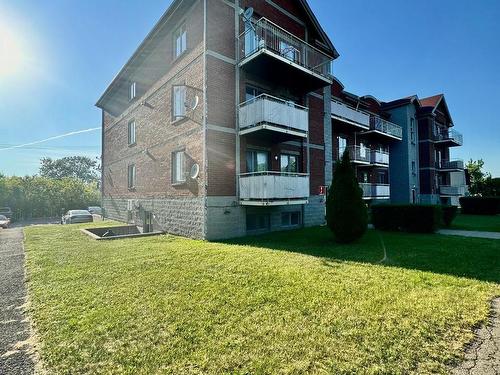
(477, 222)
(291, 302)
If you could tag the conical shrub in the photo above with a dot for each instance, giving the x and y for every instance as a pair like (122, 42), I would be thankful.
(346, 212)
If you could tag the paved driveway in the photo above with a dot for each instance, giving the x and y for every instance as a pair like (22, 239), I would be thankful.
(14, 329)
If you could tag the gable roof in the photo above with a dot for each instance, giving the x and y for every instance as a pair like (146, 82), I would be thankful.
(325, 39)
(412, 99)
(432, 103)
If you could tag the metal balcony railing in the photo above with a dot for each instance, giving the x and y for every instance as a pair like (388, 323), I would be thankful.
(358, 154)
(380, 157)
(270, 186)
(450, 135)
(456, 164)
(266, 109)
(452, 190)
(344, 111)
(266, 35)
(386, 127)
(375, 190)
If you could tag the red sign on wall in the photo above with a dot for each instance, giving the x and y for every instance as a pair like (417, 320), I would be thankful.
(323, 190)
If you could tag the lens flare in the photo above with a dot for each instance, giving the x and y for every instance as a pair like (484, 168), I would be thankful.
(11, 53)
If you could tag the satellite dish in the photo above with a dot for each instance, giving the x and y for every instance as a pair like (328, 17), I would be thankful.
(195, 171)
(192, 103)
(247, 17)
(247, 14)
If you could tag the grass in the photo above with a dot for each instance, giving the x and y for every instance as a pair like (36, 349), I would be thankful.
(477, 222)
(292, 302)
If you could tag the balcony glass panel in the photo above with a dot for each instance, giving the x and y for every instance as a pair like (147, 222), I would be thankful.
(385, 127)
(269, 186)
(345, 112)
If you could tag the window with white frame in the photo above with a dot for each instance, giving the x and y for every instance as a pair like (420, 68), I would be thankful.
(178, 167)
(179, 102)
(290, 219)
(131, 132)
(342, 142)
(289, 163)
(180, 40)
(131, 176)
(132, 91)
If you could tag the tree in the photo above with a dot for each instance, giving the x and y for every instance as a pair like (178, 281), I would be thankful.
(477, 177)
(79, 167)
(346, 213)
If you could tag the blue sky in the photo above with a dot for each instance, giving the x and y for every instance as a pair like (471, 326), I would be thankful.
(71, 49)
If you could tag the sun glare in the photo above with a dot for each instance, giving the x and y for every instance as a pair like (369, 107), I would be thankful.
(11, 54)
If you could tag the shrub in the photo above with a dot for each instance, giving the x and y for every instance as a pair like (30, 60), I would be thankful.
(346, 211)
(408, 218)
(480, 205)
(449, 214)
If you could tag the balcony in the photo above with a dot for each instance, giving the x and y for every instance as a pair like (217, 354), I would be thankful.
(273, 188)
(375, 191)
(350, 115)
(276, 55)
(267, 114)
(381, 127)
(452, 191)
(449, 137)
(380, 158)
(450, 165)
(359, 154)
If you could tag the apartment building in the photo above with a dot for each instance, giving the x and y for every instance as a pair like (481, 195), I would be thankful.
(361, 126)
(422, 167)
(219, 125)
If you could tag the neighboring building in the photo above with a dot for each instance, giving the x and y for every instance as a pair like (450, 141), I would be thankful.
(216, 127)
(422, 167)
(360, 126)
(227, 122)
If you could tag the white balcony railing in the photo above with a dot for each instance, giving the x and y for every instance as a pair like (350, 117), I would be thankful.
(343, 111)
(452, 190)
(270, 186)
(266, 35)
(380, 157)
(456, 164)
(266, 109)
(386, 127)
(375, 190)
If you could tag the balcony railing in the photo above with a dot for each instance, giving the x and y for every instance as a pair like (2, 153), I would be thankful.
(452, 190)
(268, 36)
(380, 157)
(371, 191)
(449, 135)
(456, 164)
(358, 154)
(380, 125)
(273, 188)
(342, 111)
(266, 111)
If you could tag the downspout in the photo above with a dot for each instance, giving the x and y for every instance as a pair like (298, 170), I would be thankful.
(205, 112)
(237, 98)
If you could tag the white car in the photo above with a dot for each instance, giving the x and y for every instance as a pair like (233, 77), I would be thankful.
(4, 222)
(77, 216)
(95, 210)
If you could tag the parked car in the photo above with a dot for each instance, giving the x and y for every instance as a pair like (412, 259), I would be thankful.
(95, 210)
(4, 222)
(6, 211)
(77, 216)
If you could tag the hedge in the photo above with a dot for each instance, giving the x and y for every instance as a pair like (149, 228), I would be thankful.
(408, 218)
(449, 214)
(480, 205)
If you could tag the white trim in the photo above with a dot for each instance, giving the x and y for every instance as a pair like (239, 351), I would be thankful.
(221, 129)
(274, 203)
(286, 13)
(221, 57)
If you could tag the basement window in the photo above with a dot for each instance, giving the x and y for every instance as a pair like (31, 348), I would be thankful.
(258, 222)
(290, 219)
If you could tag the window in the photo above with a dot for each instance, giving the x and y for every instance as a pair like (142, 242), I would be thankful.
(412, 129)
(131, 132)
(257, 222)
(257, 161)
(178, 167)
(382, 177)
(132, 91)
(364, 177)
(413, 166)
(290, 219)
(362, 150)
(342, 146)
(180, 41)
(289, 163)
(131, 176)
(178, 102)
(289, 52)
(252, 92)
